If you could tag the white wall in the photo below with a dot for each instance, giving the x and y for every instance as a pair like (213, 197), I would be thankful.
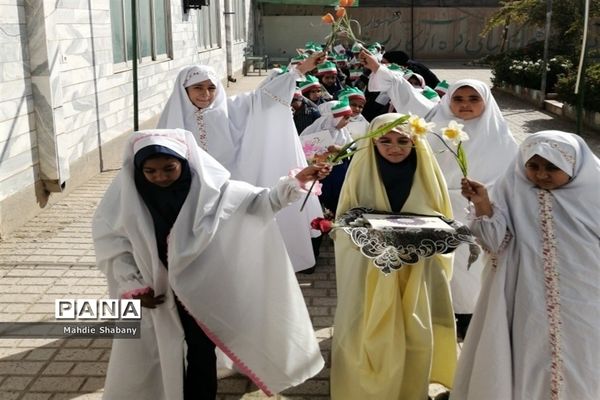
(96, 101)
(17, 128)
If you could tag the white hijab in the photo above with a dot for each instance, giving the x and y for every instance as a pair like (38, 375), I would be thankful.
(235, 279)
(551, 263)
(180, 112)
(490, 143)
(327, 122)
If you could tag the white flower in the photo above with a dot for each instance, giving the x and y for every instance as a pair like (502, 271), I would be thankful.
(418, 126)
(454, 133)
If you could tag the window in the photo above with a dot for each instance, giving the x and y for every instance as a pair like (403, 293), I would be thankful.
(209, 26)
(239, 21)
(152, 23)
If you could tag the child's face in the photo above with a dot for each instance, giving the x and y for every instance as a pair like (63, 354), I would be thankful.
(415, 82)
(466, 103)
(328, 79)
(314, 94)
(296, 103)
(394, 146)
(357, 106)
(545, 175)
(202, 94)
(162, 171)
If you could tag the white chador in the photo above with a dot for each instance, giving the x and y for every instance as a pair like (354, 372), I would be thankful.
(328, 122)
(228, 267)
(536, 328)
(252, 135)
(489, 147)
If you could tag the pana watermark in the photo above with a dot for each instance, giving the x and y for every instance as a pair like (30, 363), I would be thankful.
(97, 309)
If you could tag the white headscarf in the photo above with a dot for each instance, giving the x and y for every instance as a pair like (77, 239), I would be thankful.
(546, 279)
(327, 122)
(236, 280)
(180, 112)
(581, 196)
(422, 83)
(490, 143)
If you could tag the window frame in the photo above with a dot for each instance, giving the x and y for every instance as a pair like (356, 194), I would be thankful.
(239, 21)
(214, 14)
(154, 56)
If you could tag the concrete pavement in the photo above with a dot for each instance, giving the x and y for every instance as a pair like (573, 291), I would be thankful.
(52, 257)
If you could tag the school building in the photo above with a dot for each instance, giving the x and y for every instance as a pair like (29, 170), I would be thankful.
(66, 76)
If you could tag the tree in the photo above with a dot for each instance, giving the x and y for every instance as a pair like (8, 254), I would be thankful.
(567, 21)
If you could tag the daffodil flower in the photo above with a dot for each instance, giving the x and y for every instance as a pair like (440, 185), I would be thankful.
(418, 126)
(454, 133)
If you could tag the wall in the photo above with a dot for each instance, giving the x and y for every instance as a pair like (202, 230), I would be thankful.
(17, 127)
(437, 32)
(82, 101)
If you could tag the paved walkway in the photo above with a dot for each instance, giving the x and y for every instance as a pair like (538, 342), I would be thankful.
(52, 257)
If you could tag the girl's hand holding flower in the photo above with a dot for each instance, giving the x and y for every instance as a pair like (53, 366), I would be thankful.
(334, 149)
(314, 172)
(477, 194)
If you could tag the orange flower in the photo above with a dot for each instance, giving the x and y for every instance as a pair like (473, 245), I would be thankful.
(328, 18)
(340, 12)
(346, 3)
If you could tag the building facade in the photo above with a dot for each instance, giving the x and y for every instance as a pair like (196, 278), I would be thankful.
(66, 84)
(66, 71)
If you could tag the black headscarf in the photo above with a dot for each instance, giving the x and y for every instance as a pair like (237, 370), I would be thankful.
(164, 203)
(396, 57)
(401, 58)
(397, 178)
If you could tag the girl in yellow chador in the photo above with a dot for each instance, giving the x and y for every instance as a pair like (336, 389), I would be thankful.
(394, 334)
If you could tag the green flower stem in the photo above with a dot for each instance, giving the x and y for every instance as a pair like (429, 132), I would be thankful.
(374, 134)
(459, 154)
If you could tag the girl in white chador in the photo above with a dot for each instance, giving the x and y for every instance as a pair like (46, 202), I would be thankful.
(206, 259)
(334, 119)
(536, 328)
(335, 115)
(470, 103)
(252, 135)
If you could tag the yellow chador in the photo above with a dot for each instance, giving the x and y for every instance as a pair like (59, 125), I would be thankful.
(394, 334)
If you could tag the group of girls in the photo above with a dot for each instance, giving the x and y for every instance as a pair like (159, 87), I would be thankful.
(535, 323)
(208, 257)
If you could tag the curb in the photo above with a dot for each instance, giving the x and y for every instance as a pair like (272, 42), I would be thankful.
(555, 107)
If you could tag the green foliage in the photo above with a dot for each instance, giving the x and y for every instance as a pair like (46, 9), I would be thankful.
(524, 68)
(519, 12)
(566, 24)
(591, 88)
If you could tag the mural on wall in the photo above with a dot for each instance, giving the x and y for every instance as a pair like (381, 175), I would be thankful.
(453, 33)
(430, 32)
